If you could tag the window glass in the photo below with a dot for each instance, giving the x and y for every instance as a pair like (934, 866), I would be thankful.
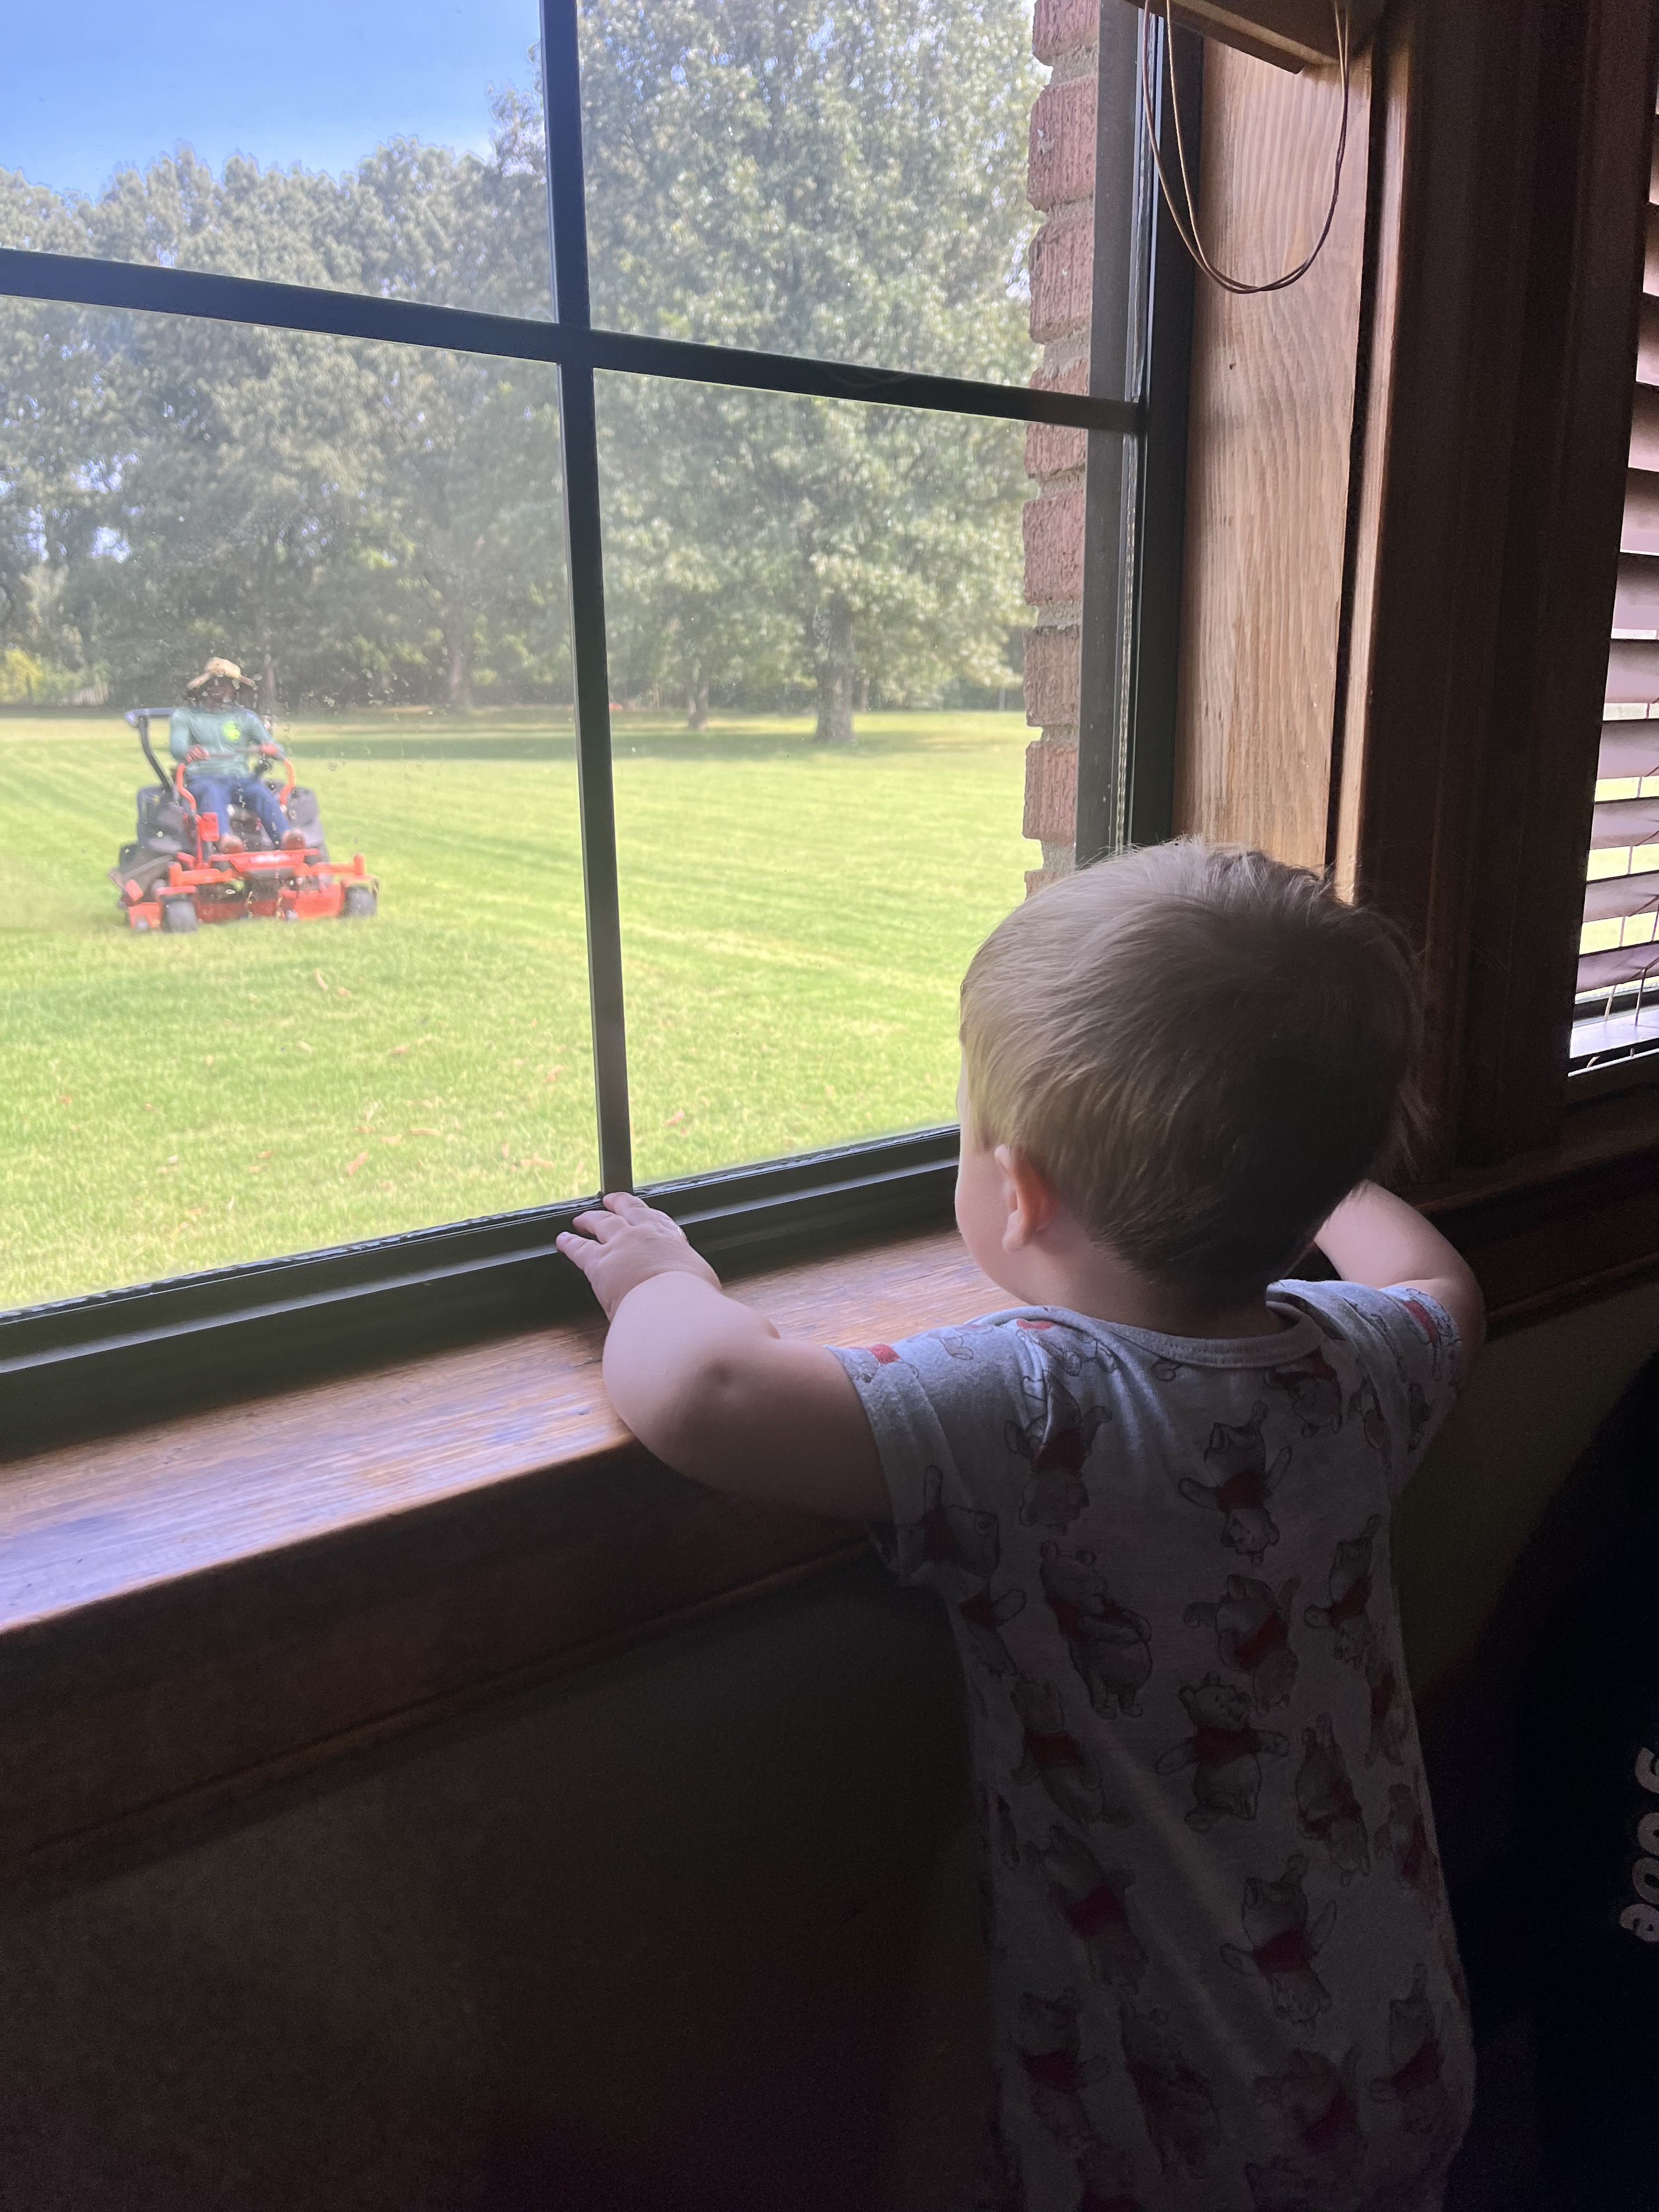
(814, 613)
(386, 146)
(372, 538)
(846, 180)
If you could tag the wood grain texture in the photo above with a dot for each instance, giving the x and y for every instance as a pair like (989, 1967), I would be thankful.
(1291, 33)
(1489, 501)
(191, 1610)
(1549, 1231)
(155, 1504)
(1465, 86)
(1561, 571)
(1269, 432)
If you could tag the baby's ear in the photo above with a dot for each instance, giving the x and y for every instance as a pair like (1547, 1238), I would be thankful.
(1030, 1200)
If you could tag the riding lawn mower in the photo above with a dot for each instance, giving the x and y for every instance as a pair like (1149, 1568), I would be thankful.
(184, 866)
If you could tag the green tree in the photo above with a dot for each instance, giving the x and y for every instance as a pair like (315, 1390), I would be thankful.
(58, 439)
(849, 183)
(468, 444)
(245, 474)
(356, 521)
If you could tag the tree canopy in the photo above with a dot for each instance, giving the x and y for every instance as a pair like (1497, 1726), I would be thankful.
(364, 523)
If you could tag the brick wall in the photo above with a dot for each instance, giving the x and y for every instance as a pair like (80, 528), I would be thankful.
(1060, 182)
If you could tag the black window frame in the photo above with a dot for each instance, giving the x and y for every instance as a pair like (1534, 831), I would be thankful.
(118, 1357)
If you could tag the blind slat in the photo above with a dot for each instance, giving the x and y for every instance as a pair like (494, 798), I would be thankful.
(1628, 749)
(1647, 342)
(1639, 532)
(1615, 898)
(1626, 963)
(1625, 822)
(1644, 428)
(1633, 671)
(1636, 601)
(1651, 259)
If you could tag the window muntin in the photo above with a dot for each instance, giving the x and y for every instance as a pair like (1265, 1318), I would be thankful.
(308, 144)
(503, 1243)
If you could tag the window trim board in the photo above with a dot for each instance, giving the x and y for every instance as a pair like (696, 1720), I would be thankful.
(117, 1359)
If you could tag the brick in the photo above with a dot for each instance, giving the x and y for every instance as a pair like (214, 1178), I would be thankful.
(1053, 659)
(1062, 276)
(1071, 376)
(1054, 548)
(1061, 26)
(1038, 879)
(1061, 162)
(1052, 450)
(1051, 791)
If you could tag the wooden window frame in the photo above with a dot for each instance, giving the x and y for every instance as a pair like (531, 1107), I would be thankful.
(1510, 228)
(1447, 398)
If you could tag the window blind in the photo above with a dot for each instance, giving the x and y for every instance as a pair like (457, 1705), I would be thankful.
(1617, 1011)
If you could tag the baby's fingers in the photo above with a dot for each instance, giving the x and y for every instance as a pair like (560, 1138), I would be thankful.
(581, 1251)
(598, 1223)
(627, 1207)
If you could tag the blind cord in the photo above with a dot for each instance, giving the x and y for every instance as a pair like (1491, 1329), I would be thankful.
(1187, 226)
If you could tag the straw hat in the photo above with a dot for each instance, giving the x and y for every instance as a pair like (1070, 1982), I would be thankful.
(226, 671)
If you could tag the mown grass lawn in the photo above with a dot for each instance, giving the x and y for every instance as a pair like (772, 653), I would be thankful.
(796, 921)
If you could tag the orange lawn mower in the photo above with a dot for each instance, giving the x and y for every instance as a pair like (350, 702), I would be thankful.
(185, 867)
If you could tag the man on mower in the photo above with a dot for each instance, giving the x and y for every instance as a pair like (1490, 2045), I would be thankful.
(221, 742)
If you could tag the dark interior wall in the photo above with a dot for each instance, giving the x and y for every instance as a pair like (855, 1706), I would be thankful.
(674, 1934)
(1537, 1397)
(695, 1931)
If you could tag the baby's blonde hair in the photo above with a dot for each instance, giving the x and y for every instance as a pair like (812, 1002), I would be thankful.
(1201, 1048)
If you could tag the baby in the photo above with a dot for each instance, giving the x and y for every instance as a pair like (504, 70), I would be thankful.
(1154, 1493)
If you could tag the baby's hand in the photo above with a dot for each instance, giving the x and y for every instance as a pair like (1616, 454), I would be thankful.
(625, 1244)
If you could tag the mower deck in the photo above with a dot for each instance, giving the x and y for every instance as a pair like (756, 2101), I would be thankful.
(279, 886)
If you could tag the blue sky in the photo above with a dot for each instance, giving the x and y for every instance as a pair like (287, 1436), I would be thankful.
(92, 86)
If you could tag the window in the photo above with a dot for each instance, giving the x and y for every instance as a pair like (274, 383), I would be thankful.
(564, 585)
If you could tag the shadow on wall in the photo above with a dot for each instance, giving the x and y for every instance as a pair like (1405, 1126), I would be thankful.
(683, 1934)
(1536, 1399)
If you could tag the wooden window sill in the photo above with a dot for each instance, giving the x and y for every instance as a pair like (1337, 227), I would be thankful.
(1550, 1229)
(193, 1610)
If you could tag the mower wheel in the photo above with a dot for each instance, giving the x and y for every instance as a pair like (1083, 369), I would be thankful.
(179, 914)
(359, 904)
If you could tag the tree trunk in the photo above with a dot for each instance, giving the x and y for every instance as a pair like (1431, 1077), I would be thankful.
(268, 690)
(696, 706)
(459, 646)
(837, 673)
(863, 707)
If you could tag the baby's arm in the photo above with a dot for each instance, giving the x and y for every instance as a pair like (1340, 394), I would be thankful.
(709, 1386)
(1375, 1238)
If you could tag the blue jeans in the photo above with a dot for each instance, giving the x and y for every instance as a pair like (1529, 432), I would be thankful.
(217, 794)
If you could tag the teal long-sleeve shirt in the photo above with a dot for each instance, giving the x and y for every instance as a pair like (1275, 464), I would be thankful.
(226, 735)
